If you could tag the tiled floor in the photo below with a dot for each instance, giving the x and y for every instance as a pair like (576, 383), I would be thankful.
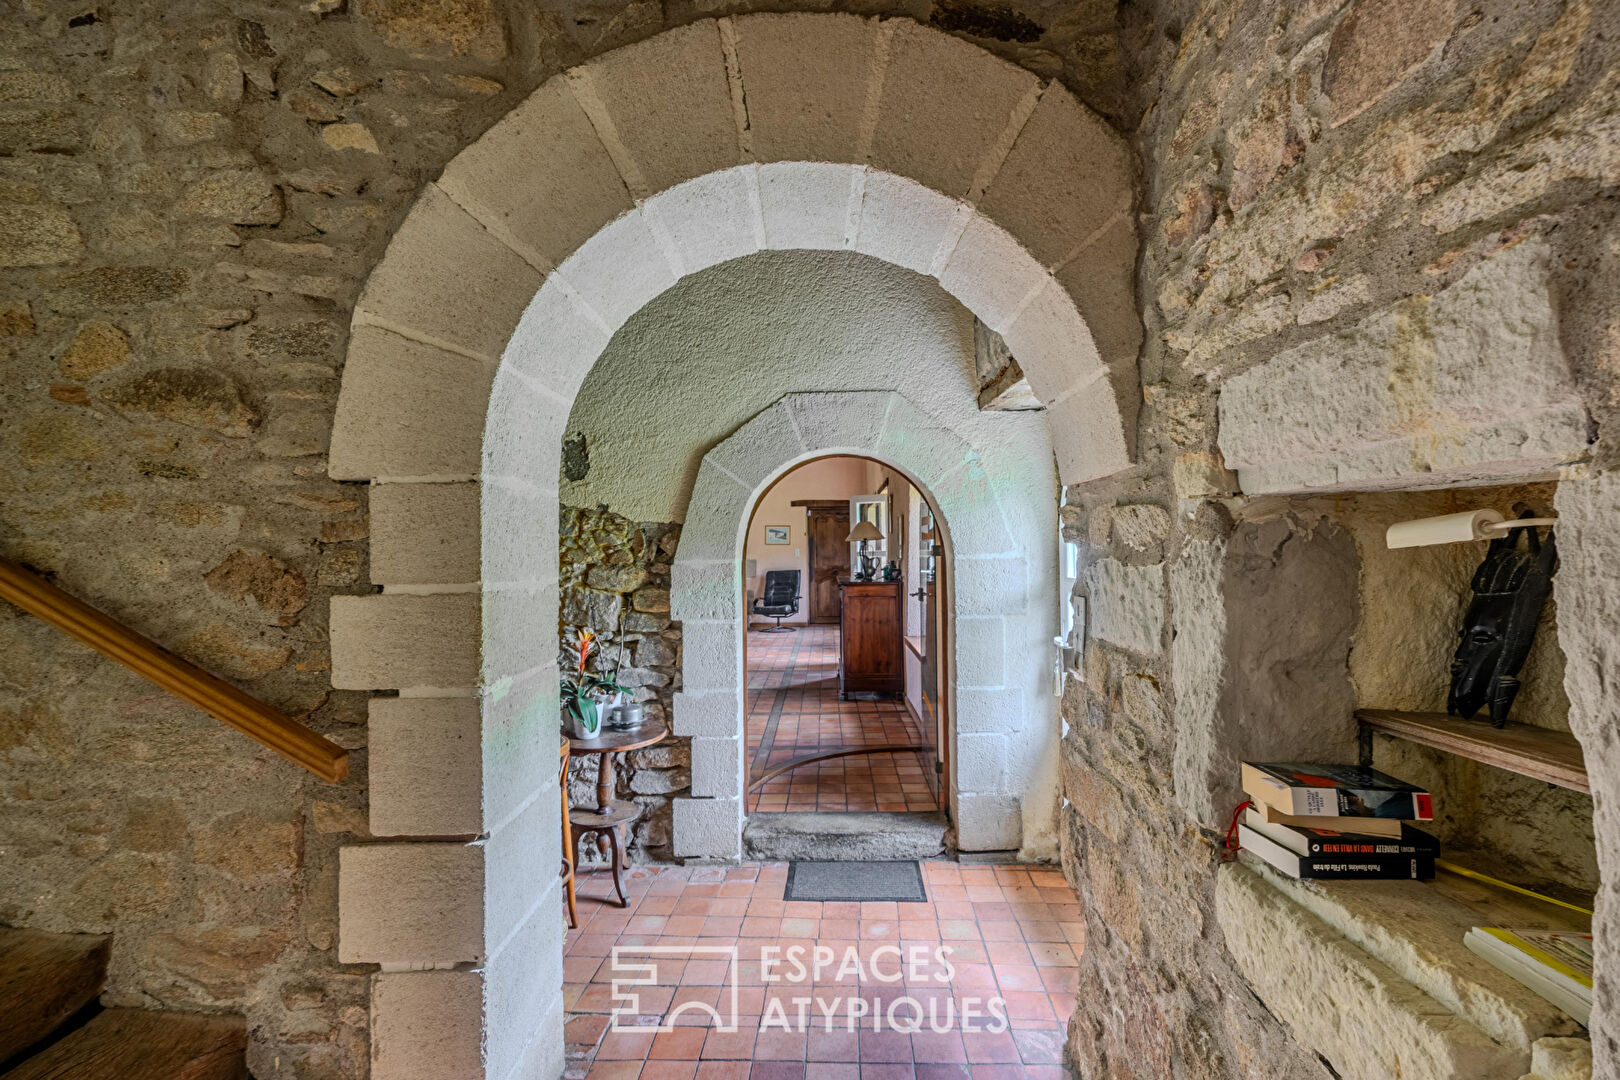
(794, 712)
(1011, 937)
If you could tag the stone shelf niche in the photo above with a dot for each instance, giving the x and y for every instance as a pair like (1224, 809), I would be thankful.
(1375, 977)
(1300, 615)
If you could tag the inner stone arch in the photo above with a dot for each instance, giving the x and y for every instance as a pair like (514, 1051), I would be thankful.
(1001, 797)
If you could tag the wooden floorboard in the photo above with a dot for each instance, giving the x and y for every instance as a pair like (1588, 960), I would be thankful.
(44, 980)
(136, 1044)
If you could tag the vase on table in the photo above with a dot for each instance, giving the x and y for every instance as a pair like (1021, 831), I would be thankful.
(584, 721)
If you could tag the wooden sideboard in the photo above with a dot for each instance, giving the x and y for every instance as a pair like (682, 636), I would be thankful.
(872, 657)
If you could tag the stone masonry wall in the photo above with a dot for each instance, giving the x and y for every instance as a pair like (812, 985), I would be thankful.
(1315, 169)
(191, 197)
(615, 580)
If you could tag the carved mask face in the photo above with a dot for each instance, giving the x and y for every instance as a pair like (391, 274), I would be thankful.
(1510, 589)
(1479, 653)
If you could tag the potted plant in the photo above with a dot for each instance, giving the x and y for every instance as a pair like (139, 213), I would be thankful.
(580, 689)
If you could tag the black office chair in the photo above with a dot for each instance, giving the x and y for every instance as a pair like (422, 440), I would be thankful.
(781, 599)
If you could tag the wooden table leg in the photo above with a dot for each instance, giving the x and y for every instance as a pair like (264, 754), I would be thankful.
(604, 802)
(604, 780)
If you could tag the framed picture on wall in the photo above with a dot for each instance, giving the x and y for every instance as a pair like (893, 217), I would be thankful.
(777, 534)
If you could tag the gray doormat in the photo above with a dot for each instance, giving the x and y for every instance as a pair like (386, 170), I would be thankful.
(902, 881)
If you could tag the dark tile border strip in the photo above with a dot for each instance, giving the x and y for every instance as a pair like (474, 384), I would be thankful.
(768, 739)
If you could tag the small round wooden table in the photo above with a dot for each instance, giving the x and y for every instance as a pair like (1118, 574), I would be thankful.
(609, 816)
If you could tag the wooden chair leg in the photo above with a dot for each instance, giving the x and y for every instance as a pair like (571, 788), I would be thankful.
(618, 885)
(568, 881)
(570, 859)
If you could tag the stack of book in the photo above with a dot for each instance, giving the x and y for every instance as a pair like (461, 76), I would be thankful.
(1336, 822)
(1557, 964)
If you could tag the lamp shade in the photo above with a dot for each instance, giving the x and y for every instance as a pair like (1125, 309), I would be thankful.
(864, 530)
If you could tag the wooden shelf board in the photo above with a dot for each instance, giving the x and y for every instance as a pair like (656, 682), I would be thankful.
(1539, 753)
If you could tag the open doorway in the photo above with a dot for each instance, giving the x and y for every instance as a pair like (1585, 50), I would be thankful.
(844, 715)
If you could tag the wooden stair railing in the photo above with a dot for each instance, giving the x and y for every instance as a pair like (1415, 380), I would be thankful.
(219, 699)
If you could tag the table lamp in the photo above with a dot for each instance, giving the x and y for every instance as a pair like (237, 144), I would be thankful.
(863, 533)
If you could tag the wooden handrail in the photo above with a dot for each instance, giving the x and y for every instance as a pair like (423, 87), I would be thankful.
(219, 699)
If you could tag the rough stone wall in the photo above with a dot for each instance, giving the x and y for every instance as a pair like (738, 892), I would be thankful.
(615, 580)
(191, 197)
(1313, 169)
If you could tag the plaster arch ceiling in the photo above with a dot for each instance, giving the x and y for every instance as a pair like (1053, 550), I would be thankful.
(702, 358)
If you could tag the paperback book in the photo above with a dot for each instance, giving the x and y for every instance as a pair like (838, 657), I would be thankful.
(1557, 964)
(1322, 790)
(1367, 826)
(1314, 841)
(1371, 867)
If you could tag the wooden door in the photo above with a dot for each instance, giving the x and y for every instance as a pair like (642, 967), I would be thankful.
(828, 558)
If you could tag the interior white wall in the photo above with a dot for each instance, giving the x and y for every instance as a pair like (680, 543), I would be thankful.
(721, 345)
(828, 478)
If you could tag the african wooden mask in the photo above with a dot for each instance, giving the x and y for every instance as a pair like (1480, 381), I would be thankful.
(1510, 589)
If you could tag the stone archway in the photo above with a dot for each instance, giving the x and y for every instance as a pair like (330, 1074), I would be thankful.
(496, 295)
(1002, 634)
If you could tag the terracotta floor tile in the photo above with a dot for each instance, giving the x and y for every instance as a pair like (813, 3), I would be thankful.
(624, 1046)
(683, 1043)
(1033, 969)
(722, 1070)
(732, 1045)
(774, 1044)
(1018, 977)
(936, 1071)
(998, 1072)
(985, 1048)
(668, 1070)
(886, 1071)
(614, 1070)
(835, 1045)
(792, 699)
(1047, 1072)
(938, 1047)
(585, 1029)
(832, 1070)
(1039, 1046)
(777, 1070)
(1053, 954)
(1060, 980)
(885, 1046)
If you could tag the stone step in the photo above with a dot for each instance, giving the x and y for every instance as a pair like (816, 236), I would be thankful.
(137, 1044)
(44, 980)
(853, 836)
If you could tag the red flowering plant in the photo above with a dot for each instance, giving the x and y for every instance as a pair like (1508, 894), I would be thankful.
(580, 687)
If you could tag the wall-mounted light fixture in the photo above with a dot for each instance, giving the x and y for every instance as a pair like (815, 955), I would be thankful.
(1456, 528)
